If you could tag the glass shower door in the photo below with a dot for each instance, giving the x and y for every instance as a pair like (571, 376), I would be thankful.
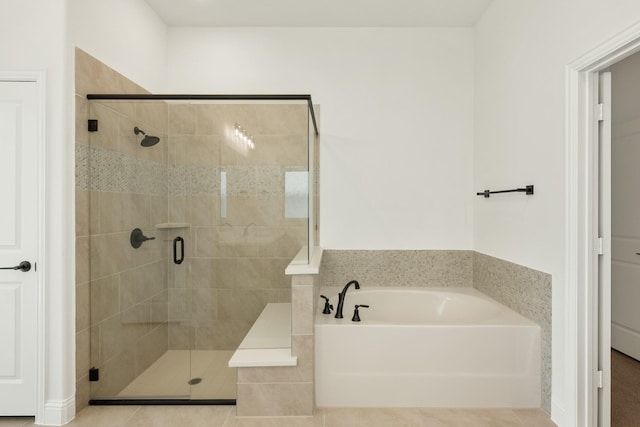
(129, 270)
(196, 209)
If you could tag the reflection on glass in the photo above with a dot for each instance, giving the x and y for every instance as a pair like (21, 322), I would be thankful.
(223, 194)
(296, 192)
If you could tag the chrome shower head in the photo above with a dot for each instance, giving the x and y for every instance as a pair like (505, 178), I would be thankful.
(148, 140)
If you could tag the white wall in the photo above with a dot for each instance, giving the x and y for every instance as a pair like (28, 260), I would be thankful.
(127, 35)
(32, 37)
(396, 120)
(522, 49)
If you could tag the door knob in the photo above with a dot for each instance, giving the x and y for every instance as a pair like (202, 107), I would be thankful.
(24, 266)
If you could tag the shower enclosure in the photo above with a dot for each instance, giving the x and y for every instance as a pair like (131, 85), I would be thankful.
(197, 205)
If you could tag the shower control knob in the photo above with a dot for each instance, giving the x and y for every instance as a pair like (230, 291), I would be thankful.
(137, 238)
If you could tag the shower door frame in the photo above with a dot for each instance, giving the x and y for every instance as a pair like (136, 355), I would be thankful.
(195, 97)
(311, 218)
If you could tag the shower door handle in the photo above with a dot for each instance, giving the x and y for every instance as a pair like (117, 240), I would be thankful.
(177, 260)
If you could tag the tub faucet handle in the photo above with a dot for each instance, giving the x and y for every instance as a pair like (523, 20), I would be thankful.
(327, 307)
(356, 313)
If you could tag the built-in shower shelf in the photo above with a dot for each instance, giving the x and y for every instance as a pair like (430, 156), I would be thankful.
(166, 225)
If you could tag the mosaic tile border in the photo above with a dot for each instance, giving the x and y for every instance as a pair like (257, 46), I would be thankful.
(398, 267)
(100, 169)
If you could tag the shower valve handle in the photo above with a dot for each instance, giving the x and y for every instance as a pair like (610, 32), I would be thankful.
(137, 238)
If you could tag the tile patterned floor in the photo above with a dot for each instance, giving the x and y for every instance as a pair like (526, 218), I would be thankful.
(224, 416)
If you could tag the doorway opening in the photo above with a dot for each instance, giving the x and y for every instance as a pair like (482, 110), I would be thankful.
(589, 238)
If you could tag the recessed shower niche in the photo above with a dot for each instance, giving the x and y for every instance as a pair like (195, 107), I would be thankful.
(197, 205)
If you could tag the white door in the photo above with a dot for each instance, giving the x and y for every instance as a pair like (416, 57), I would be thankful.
(19, 212)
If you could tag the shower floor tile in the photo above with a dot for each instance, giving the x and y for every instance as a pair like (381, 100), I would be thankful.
(169, 376)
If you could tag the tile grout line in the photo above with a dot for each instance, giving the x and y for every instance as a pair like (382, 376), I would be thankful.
(226, 420)
(134, 414)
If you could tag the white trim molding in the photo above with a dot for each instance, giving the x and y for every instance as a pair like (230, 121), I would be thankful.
(59, 412)
(581, 333)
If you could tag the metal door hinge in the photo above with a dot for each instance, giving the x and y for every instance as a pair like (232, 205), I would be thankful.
(600, 246)
(599, 379)
(600, 112)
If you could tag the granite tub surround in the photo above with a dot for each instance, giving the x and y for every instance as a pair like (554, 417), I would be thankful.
(398, 267)
(526, 291)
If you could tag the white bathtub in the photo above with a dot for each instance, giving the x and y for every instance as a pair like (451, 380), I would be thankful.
(425, 347)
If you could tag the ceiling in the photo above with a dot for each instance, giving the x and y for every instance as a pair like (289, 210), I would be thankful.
(320, 13)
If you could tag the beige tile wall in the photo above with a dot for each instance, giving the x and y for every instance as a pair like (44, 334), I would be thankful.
(121, 292)
(134, 304)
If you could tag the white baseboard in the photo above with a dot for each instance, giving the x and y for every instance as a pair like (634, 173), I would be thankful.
(625, 340)
(559, 415)
(58, 412)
